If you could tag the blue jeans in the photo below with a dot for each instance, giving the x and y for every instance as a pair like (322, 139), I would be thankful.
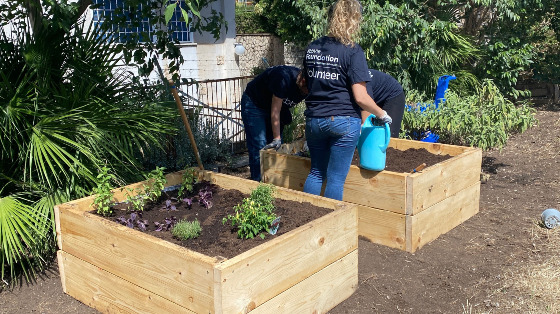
(331, 143)
(258, 131)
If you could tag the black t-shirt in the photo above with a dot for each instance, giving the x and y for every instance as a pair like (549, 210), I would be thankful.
(382, 87)
(331, 70)
(279, 81)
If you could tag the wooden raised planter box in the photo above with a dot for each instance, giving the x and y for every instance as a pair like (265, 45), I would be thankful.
(114, 268)
(400, 210)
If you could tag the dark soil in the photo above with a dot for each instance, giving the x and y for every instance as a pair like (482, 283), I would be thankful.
(406, 160)
(216, 238)
(467, 270)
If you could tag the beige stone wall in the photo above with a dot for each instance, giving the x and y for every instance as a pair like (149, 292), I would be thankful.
(269, 47)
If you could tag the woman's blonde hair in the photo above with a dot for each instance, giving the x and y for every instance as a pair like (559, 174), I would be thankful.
(344, 21)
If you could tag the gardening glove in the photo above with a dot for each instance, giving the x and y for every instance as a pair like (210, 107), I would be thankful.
(386, 118)
(276, 143)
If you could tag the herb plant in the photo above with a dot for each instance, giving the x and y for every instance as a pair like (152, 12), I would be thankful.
(137, 201)
(134, 219)
(185, 230)
(167, 224)
(156, 184)
(104, 198)
(205, 196)
(255, 213)
(188, 179)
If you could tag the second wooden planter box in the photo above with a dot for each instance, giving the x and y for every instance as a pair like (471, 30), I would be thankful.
(114, 268)
(400, 210)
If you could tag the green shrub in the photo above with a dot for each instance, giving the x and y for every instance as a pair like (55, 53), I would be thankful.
(485, 119)
(185, 230)
(247, 21)
(255, 213)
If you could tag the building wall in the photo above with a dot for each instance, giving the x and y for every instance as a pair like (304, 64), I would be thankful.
(263, 50)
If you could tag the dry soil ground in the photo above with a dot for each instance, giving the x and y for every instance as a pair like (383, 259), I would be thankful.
(499, 261)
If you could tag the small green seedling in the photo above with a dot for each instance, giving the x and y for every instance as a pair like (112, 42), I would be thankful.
(185, 230)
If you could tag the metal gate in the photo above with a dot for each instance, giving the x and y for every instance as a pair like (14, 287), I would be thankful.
(218, 102)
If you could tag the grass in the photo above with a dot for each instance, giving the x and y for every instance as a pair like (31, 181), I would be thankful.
(538, 279)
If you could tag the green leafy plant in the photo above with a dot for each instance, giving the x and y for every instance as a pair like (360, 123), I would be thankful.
(23, 231)
(104, 197)
(485, 119)
(156, 183)
(187, 181)
(296, 129)
(135, 198)
(185, 230)
(255, 213)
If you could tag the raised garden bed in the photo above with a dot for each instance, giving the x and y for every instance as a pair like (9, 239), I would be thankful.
(114, 268)
(398, 209)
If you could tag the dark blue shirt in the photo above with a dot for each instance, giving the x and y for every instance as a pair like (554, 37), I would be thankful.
(331, 69)
(383, 87)
(279, 81)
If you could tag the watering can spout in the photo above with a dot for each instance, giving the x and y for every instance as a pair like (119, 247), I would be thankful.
(373, 143)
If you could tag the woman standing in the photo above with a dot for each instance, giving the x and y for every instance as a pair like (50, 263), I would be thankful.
(336, 72)
(265, 110)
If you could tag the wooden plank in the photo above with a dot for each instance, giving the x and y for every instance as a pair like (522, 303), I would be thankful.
(382, 227)
(441, 180)
(256, 276)
(108, 293)
(57, 227)
(443, 216)
(154, 264)
(284, 170)
(61, 271)
(320, 292)
(434, 148)
(384, 190)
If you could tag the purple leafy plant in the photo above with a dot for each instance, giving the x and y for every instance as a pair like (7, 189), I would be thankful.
(188, 201)
(166, 225)
(134, 219)
(205, 195)
(169, 206)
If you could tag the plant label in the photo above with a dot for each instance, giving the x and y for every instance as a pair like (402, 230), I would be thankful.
(274, 226)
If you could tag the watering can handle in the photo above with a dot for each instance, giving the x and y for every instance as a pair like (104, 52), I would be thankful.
(387, 136)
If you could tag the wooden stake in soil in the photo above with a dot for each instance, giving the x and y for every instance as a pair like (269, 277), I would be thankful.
(185, 122)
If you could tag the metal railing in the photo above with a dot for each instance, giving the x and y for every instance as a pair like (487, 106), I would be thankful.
(219, 104)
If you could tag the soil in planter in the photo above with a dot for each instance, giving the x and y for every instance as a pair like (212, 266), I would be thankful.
(406, 160)
(217, 239)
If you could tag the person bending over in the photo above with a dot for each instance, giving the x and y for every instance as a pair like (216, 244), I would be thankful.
(265, 109)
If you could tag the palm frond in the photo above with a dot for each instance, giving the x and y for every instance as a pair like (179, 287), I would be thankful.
(21, 230)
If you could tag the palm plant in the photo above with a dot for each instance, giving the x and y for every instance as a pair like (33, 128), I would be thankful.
(67, 109)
